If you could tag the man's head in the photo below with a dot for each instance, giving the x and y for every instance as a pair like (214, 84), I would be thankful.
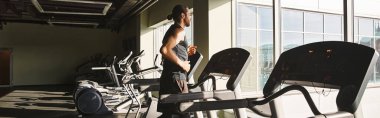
(180, 13)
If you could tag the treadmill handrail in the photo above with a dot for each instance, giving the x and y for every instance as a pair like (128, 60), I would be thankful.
(247, 103)
(204, 80)
(217, 94)
(151, 81)
(100, 68)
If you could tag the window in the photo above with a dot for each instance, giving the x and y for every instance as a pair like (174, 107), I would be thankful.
(293, 27)
(301, 27)
(254, 33)
(311, 38)
(313, 22)
(265, 56)
(365, 26)
(246, 16)
(247, 38)
(333, 24)
(292, 20)
(265, 19)
(377, 27)
(159, 33)
(333, 27)
(368, 33)
(291, 40)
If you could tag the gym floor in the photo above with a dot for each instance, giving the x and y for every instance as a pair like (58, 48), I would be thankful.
(41, 102)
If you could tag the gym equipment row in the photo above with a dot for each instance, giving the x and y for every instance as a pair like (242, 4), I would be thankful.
(84, 71)
(130, 86)
(93, 98)
(336, 65)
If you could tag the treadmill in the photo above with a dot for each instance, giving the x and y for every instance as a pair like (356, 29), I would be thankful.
(229, 64)
(331, 64)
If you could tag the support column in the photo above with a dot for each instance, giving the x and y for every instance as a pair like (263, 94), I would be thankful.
(275, 105)
(348, 28)
(348, 20)
(201, 32)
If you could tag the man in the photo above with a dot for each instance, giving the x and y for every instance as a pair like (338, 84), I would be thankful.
(175, 52)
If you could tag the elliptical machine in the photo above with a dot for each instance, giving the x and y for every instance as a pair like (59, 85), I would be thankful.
(91, 98)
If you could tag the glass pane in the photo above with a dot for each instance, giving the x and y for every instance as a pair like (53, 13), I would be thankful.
(377, 68)
(189, 35)
(265, 57)
(313, 22)
(265, 18)
(333, 24)
(356, 39)
(291, 40)
(377, 27)
(311, 38)
(266, 38)
(159, 33)
(377, 44)
(246, 16)
(292, 20)
(365, 27)
(333, 37)
(247, 39)
(367, 12)
(249, 80)
(367, 41)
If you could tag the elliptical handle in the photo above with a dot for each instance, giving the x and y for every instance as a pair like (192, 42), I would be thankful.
(141, 53)
(99, 68)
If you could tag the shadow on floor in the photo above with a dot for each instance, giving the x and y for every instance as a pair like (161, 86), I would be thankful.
(48, 101)
(55, 105)
(32, 113)
(5, 91)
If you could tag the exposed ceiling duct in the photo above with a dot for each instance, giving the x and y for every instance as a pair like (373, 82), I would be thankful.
(74, 24)
(109, 14)
(75, 7)
(136, 10)
(123, 10)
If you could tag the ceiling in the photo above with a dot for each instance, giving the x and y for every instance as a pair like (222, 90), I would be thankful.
(109, 14)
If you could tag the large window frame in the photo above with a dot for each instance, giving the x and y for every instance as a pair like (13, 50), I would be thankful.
(258, 31)
(260, 71)
(373, 37)
(326, 34)
(304, 31)
(348, 32)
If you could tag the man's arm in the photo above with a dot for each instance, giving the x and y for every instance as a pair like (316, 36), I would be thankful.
(168, 53)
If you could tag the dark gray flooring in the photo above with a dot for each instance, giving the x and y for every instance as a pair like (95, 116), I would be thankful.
(53, 101)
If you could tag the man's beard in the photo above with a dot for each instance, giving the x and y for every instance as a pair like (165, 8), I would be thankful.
(187, 24)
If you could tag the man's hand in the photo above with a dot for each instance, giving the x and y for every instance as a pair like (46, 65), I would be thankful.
(186, 66)
(191, 50)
